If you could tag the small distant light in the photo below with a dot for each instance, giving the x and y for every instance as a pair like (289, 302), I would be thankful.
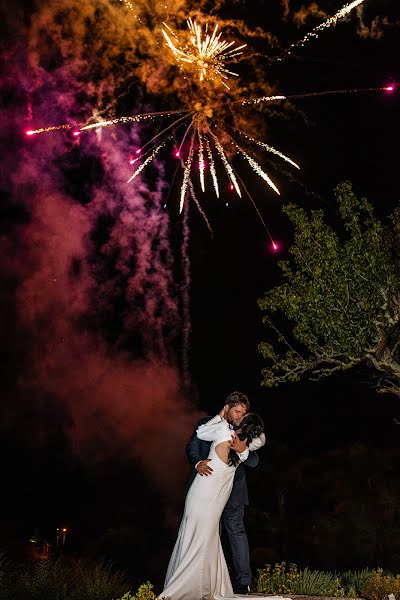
(76, 133)
(389, 88)
(227, 204)
(138, 151)
(177, 154)
(29, 132)
(275, 246)
(164, 206)
(231, 186)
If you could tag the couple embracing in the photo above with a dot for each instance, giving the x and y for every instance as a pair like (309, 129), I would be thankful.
(218, 450)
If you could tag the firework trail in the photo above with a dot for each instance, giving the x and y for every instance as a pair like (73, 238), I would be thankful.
(185, 294)
(343, 12)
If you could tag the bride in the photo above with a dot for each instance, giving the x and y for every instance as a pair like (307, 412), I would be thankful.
(197, 569)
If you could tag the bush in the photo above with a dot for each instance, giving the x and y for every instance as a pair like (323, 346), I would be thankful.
(318, 583)
(77, 580)
(145, 592)
(354, 582)
(278, 580)
(7, 576)
(380, 585)
(97, 580)
(45, 580)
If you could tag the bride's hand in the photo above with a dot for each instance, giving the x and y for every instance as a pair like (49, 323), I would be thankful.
(238, 445)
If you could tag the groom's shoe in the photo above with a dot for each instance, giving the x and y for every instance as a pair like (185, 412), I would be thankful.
(241, 589)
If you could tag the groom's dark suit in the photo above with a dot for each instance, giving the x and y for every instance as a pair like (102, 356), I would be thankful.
(233, 514)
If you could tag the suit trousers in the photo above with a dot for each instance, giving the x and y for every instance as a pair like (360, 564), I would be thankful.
(233, 517)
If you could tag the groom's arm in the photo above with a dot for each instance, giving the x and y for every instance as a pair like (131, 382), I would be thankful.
(255, 444)
(252, 460)
(248, 455)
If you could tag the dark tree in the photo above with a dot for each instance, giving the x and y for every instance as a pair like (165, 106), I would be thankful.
(338, 307)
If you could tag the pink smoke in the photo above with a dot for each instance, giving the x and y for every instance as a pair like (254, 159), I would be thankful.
(118, 404)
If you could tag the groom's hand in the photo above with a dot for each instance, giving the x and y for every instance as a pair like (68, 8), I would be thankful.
(223, 411)
(203, 468)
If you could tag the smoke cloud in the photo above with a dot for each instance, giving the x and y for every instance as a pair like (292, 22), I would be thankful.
(301, 16)
(97, 311)
(376, 28)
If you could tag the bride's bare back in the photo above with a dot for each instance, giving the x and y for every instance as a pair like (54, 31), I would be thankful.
(222, 450)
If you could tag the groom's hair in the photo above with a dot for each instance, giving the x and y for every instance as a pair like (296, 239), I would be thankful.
(235, 398)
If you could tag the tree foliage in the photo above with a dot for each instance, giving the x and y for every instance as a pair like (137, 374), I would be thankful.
(338, 305)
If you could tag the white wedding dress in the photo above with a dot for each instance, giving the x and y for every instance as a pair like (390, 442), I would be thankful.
(197, 569)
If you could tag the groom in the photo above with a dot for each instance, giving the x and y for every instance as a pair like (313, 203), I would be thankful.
(236, 406)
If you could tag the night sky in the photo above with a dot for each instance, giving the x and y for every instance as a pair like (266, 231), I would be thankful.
(96, 294)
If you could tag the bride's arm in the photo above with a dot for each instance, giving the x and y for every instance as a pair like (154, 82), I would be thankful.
(211, 430)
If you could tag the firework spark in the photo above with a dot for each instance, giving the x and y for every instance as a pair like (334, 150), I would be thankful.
(345, 10)
(205, 53)
(205, 135)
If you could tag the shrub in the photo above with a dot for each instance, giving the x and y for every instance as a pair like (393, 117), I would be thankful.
(317, 583)
(97, 580)
(380, 585)
(79, 580)
(354, 582)
(278, 580)
(145, 592)
(7, 575)
(45, 580)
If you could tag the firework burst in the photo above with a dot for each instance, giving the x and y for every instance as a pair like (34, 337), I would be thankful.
(212, 136)
(205, 54)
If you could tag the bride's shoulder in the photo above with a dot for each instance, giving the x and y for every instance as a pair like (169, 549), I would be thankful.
(204, 420)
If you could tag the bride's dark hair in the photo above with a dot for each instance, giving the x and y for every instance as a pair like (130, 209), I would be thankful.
(251, 427)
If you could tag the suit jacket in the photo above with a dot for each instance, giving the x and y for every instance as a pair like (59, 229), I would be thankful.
(197, 449)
